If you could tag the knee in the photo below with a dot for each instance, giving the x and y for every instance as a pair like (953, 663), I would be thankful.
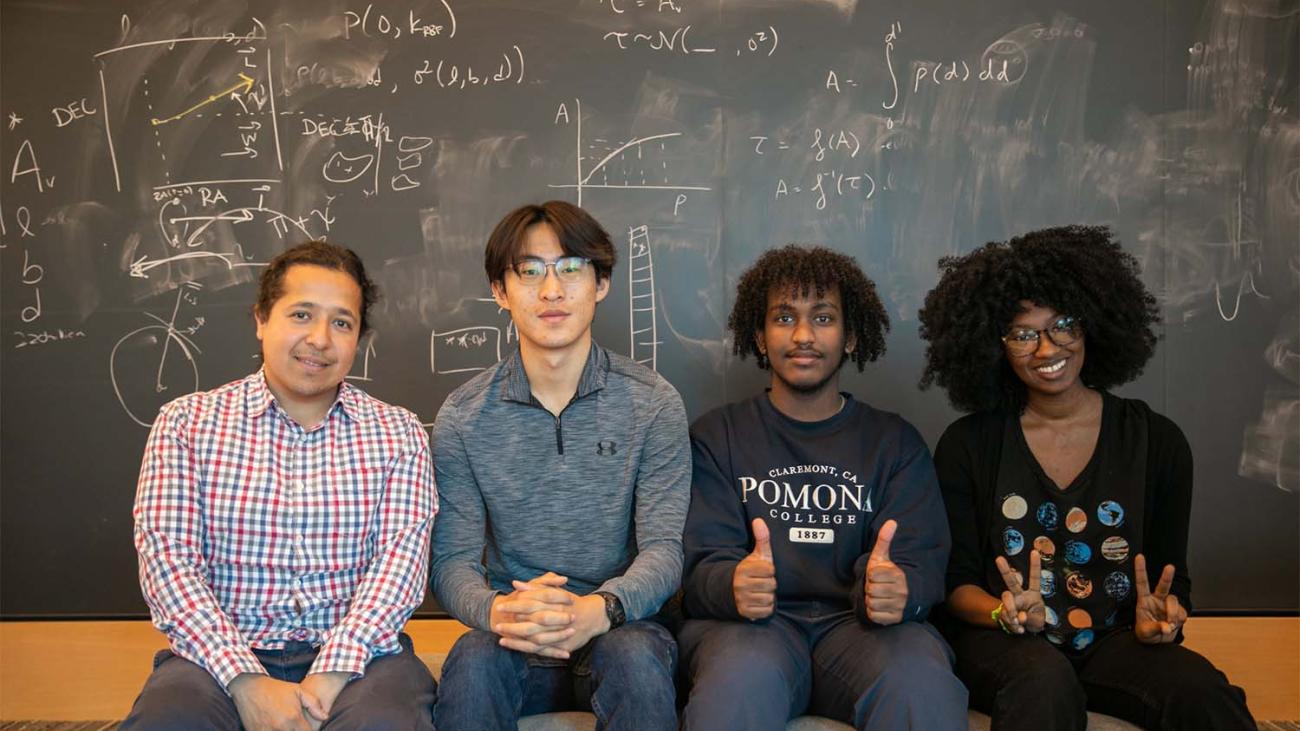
(1046, 687)
(1202, 690)
(640, 650)
(478, 654)
(382, 717)
(742, 670)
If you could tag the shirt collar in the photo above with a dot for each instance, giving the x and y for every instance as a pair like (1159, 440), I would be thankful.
(349, 401)
(517, 388)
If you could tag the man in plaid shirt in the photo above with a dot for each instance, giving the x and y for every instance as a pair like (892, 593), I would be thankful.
(282, 523)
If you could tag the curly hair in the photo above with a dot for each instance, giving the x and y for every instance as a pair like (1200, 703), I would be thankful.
(1075, 270)
(800, 270)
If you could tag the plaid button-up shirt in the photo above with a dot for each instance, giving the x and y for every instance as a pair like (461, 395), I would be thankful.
(253, 531)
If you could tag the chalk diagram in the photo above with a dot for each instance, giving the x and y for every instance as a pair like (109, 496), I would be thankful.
(469, 349)
(641, 307)
(161, 350)
(239, 99)
(642, 172)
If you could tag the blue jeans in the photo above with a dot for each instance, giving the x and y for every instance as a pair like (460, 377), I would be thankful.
(756, 676)
(397, 692)
(624, 677)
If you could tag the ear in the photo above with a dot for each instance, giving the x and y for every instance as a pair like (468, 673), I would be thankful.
(850, 344)
(499, 294)
(759, 342)
(261, 323)
(602, 288)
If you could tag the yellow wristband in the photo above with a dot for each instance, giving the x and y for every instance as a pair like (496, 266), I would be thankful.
(996, 614)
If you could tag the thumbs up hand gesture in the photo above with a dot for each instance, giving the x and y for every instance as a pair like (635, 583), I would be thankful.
(1159, 615)
(754, 582)
(886, 585)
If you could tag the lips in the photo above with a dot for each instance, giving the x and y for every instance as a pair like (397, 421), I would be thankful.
(553, 315)
(312, 363)
(1051, 369)
(804, 356)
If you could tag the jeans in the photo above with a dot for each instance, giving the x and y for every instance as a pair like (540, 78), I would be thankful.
(1024, 682)
(624, 677)
(396, 692)
(758, 675)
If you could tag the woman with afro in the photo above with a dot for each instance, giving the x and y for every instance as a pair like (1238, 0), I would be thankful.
(1060, 495)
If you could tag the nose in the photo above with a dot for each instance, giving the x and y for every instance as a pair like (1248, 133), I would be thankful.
(550, 288)
(318, 333)
(803, 333)
(1046, 348)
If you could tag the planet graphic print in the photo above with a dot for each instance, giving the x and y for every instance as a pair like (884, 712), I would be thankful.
(1078, 618)
(1013, 541)
(1110, 513)
(1077, 552)
(1047, 583)
(1117, 585)
(1076, 520)
(1082, 639)
(1078, 585)
(1047, 516)
(1014, 507)
(1046, 549)
(1052, 620)
(1114, 549)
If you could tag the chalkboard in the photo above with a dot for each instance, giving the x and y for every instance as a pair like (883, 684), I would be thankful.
(155, 155)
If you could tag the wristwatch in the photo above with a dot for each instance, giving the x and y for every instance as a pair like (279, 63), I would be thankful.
(613, 610)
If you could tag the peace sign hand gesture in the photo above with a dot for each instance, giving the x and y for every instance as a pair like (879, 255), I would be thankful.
(1159, 615)
(1022, 607)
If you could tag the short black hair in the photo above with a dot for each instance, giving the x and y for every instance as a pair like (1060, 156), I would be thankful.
(800, 269)
(1076, 270)
(579, 234)
(321, 254)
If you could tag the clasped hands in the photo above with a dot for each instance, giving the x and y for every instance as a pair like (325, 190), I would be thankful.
(267, 704)
(541, 617)
(753, 585)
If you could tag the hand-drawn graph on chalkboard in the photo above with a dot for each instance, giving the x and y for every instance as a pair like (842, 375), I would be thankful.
(642, 161)
(227, 102)
(641, 308)
(154, 364)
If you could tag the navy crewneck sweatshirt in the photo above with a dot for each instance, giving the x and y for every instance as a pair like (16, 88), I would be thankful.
(824, 489)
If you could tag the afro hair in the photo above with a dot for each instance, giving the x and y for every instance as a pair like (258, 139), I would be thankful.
(1074, 270)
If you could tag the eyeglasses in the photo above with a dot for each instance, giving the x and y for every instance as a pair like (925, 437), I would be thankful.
(568, 269)
(1024, 340)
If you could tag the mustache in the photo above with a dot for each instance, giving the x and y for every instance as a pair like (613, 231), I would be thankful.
(313, 356)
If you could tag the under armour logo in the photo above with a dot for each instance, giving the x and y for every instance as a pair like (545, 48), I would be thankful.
(606, 447)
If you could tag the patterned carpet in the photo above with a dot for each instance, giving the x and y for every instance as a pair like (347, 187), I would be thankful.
(112, 725)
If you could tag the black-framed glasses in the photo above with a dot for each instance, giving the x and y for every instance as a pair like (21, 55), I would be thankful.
(1062, 332)
(568, 269)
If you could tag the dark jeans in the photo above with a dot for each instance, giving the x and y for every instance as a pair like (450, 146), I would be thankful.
(1024, 682)
(397, 692)
(624, 677)
(757, 676)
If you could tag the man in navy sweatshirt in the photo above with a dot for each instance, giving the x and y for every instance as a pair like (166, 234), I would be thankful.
(816, 539)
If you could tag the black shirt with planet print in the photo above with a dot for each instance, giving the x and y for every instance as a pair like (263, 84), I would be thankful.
(1134, 496)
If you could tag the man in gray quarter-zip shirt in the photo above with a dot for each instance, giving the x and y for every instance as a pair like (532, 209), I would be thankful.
(564, 477)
